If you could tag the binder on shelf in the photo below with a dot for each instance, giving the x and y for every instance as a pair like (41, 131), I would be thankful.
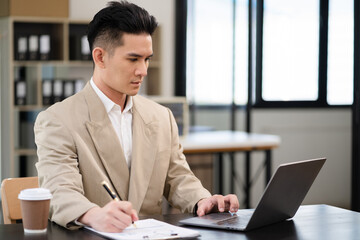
(45, 47)
(47, 92)
(69, 88)
(58, 93)
(20, 86)
(79, 49)
(85, 48)
(33, 47)
(20, 92)
(21, 48)
(79, 84)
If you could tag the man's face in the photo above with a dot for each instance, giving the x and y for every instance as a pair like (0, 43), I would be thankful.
(126, 68)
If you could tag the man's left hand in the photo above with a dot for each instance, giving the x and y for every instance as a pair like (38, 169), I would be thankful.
(218, 203)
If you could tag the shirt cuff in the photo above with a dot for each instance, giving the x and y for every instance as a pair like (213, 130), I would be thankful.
(76, 222)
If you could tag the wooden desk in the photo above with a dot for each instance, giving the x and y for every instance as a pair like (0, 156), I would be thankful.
(313, 222)
(230, 142)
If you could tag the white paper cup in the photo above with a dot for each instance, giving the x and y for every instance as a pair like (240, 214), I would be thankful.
(35, 203)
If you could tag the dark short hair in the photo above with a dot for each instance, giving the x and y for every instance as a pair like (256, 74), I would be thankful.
(109, 24)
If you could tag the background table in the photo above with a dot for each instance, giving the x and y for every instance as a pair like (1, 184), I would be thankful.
(230, 142)
(313, 222)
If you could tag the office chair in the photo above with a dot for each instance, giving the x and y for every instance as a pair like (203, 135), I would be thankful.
(10, 189)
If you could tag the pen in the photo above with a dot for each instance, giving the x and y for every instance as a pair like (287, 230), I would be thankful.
(112, 194)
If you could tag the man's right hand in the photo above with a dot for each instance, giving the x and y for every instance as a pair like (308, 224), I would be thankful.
(113, 217)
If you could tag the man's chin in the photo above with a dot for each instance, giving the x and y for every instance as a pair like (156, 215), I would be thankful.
(133, 93)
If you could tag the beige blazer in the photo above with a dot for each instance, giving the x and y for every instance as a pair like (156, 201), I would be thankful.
(78, 148)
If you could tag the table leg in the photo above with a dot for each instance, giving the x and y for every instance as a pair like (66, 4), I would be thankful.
(247, 179)
(268, 166)
(220, 173)
(233, 172)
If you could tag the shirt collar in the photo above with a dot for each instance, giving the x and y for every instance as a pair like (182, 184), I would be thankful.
(108, 103)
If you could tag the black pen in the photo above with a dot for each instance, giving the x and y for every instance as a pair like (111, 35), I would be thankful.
(112, 194)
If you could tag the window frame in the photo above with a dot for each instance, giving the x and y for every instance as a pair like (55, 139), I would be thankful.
(255, 86)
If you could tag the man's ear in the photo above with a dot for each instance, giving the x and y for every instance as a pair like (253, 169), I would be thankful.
(98, 55)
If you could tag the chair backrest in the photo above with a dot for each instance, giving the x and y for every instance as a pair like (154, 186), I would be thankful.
(10, 189)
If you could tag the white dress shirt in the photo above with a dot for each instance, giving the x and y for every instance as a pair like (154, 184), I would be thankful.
(121, 121)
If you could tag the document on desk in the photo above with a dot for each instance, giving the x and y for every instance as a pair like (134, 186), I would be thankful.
(150, 229)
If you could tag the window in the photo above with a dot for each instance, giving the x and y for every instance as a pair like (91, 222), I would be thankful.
(303, 52)
(241, 52)
(290, 50)
(209, 51)
(340, 52)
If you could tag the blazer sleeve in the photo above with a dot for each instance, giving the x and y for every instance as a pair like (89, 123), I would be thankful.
(182, 189)
(58, 170)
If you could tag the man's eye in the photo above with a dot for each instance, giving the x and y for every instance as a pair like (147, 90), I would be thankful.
(147, 59)
(133, 59)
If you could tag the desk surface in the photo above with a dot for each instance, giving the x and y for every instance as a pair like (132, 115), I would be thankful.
(312, 222)
(227, 141)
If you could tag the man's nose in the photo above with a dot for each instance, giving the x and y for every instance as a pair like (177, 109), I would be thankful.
(141, 69)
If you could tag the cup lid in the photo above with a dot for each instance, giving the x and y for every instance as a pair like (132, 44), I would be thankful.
(35, 194)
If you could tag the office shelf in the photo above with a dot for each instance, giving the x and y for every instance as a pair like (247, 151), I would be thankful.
(65, 62)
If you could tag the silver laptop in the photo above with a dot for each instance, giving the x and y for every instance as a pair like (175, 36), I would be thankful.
(280, 200)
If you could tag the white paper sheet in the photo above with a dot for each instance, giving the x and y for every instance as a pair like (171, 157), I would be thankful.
(150, 229)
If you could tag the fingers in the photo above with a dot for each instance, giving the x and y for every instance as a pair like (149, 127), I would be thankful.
(124, 206)
(134, 215)
(121, 211)
(204, 206)
(113, 217)
(218, 203)
(208, 205)
(117, 223)
(232, 202)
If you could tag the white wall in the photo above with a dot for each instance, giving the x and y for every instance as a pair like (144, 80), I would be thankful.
(314, 133)
(305, 134)
(164, 12)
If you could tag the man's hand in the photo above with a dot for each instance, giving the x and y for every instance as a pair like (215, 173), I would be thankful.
(113, 217)
(218, 203)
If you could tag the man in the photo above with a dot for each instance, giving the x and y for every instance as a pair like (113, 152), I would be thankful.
(106, 132)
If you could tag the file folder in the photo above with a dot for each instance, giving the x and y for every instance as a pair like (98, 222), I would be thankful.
(69, 88)
(33, 47)
(20, 86)
(47, 92)
(45, 47)
(20, 92)
(58, 90)
(21, 48)
(79, 84)
(85, 48)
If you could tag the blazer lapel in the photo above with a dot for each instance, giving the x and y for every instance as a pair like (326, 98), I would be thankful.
(107, 143)
(143, 154)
